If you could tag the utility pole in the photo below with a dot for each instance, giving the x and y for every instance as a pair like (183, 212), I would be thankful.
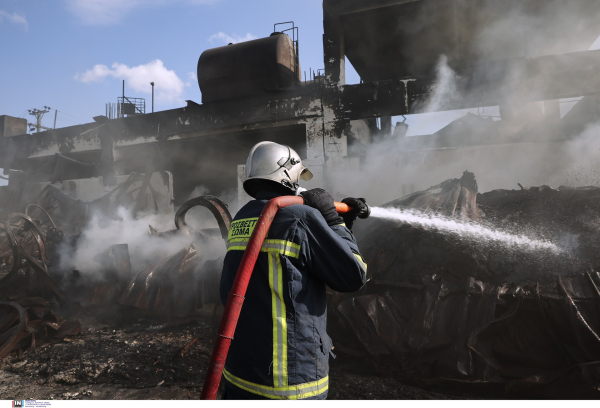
(38, 115)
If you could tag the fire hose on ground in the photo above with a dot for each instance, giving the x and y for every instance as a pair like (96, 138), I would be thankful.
(238, 290)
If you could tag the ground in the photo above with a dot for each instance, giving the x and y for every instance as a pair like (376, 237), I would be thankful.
(143, 360)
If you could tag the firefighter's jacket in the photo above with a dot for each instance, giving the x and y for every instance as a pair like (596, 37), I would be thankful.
(281, 348)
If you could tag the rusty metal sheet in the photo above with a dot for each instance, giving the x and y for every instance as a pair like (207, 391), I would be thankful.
(178, 285)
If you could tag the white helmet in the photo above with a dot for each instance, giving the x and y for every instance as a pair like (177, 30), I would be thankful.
(272, 162)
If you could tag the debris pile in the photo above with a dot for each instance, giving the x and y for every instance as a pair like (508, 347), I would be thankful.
(29, 323)
(440, 309)
(26, 318)
(34, 286)
(444, 309)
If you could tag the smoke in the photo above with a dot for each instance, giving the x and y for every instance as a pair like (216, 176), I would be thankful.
(531, 145)
(445, 87)
(198, 191)
(581, 162)
(388, 171)
(144, 249)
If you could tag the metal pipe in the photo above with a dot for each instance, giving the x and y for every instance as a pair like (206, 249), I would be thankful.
(152, 83)
(238, 291)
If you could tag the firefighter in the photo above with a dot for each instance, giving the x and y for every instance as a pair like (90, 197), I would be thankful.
(281, 348)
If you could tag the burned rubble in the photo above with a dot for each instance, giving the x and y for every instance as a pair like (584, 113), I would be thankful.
(445, 309)
(43, 303)
(125, 334)
(439, 311)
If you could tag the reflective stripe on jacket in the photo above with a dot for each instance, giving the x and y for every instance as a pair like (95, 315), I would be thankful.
(281, 348)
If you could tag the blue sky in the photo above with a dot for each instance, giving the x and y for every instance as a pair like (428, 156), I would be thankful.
(50, 49)
(71, 55)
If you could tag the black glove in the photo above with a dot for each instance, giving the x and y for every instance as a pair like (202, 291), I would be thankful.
(322, 201)
(357, 206)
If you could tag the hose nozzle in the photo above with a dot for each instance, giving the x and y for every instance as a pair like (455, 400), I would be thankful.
(342, 208)
(366, 212)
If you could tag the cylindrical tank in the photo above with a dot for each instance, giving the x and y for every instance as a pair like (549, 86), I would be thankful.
(248, 69)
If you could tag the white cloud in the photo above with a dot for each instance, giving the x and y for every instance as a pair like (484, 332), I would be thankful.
(222, 37)
(13, 18)
(106, 12)
(168, 86)
(191, 78)
(101, 12)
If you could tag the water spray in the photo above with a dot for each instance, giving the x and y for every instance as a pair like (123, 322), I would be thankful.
(475, 231)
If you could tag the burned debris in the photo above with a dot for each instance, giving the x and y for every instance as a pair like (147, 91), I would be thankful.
(28, 319)
(43, 304)
(176, 286)
(35, 285)
(439, 310)
(444, 309)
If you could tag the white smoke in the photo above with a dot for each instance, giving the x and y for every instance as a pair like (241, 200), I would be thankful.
(387, 173)
(580, 165)
(445, 87)
(527, 150)
(144, 249)
(532, 148)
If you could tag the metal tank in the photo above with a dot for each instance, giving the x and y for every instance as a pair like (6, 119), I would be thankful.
(249, 68)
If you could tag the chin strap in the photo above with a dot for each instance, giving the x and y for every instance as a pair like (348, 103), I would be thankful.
(292, 186)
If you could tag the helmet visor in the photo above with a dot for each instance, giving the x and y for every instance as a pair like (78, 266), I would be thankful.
(305, 174)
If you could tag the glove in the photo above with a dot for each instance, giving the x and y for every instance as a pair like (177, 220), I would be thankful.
(323, 201)
(357, 206)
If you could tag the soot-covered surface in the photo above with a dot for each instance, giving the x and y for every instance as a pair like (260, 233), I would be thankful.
(141, 359)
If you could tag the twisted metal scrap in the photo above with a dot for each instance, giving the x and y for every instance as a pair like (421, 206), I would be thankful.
(14, 339)
(217, 207)
(19, 254)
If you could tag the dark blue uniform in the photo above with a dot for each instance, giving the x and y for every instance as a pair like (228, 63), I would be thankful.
(281, 348)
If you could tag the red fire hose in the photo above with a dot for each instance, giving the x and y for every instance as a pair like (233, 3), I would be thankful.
(238, 291)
